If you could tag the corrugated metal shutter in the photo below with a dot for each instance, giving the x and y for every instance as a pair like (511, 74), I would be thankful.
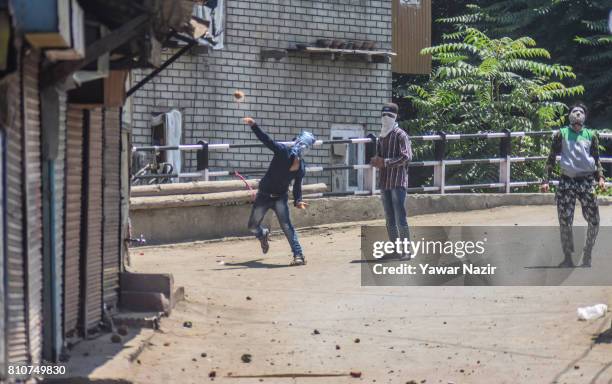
(2, 253)
(411, 33)
(17, 345)
(34, 200)
(72, 219)
(93, 229)
(112, 206)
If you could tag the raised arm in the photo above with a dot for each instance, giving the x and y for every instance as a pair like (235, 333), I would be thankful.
(262, 136)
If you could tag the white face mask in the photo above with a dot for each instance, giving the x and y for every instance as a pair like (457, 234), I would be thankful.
(387, 125)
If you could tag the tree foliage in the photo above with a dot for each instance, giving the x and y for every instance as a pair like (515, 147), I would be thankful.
(484, 84)
(573, 31)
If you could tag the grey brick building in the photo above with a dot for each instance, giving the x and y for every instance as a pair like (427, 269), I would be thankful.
(331, 98)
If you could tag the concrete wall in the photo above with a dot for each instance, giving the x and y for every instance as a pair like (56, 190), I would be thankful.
(174, 225)
(294, 94)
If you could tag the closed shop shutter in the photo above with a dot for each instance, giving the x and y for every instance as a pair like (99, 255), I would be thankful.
(72, 219)
(93, 228)
(34, 200)
(112, 206)
(2, 253)
(16, 330)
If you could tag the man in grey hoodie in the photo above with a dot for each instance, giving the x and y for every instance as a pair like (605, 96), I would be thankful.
(581, 170)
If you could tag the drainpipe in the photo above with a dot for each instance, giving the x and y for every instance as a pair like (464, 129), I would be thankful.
(49, 99)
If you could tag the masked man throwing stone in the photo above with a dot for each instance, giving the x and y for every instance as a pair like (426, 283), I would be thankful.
(287, 165)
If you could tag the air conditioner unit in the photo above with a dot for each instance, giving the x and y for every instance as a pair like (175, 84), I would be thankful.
(167, 130)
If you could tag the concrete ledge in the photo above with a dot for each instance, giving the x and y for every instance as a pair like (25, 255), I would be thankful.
(182, 224)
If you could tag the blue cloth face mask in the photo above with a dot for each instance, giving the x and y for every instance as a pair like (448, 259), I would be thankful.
(302, 144)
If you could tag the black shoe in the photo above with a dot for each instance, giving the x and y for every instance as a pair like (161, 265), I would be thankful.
(567, 263)
(298, 260)
(265, 241)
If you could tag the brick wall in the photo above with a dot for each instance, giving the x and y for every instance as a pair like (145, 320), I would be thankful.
(287, 96)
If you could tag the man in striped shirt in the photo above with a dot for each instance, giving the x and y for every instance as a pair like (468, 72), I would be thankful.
(393, 153)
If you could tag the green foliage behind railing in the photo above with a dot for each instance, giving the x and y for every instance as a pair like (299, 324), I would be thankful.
(481, 84)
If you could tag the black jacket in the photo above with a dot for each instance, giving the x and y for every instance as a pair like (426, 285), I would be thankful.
(278, 177)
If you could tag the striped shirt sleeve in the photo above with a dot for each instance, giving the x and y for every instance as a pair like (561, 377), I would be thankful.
(405, 152)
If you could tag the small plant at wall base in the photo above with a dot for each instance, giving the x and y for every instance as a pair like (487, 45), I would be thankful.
(480, 84)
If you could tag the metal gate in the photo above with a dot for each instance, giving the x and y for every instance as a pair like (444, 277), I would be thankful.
(72, 219)
(112, 206)
(92, 214)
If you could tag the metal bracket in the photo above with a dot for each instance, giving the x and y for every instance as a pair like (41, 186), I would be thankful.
(276, 54)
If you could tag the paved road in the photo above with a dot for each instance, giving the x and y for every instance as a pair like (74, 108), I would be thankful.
(241, 302)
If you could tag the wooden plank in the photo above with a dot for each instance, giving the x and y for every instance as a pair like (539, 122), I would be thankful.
(411, 33)
(350, 51)
(194, 187)
(114, 89)
(5, 34)
(180, 201)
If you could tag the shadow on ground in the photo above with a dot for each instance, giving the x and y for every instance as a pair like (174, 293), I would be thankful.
(256, 264)
(85, 380)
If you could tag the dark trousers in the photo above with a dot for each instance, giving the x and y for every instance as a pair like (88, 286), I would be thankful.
(264, 202)
(569, 190)
(395, 213)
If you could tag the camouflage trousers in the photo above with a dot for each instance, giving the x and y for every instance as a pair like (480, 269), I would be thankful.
(584, 190)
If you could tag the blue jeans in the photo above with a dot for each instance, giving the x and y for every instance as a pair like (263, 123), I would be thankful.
(395, 213)
(264, 202)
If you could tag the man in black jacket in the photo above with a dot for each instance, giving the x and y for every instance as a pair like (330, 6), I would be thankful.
(286, 165)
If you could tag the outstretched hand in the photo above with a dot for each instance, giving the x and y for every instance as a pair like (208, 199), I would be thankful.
(249, 121)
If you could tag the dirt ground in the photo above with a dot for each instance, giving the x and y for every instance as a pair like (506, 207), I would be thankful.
(318, 319)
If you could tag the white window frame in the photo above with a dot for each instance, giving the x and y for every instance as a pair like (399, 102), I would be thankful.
(347, 131)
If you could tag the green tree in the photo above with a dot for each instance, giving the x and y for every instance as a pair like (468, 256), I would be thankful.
(480, 84)
(571, 30)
